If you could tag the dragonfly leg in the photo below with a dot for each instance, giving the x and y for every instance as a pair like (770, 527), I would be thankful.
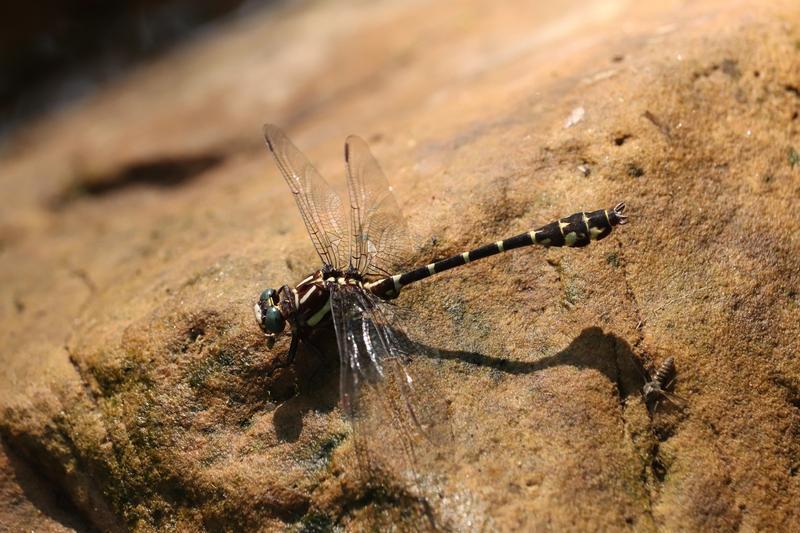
(292, 349)
(318, 354)
(289, 355)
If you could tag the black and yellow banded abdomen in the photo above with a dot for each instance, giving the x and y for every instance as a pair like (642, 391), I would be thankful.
(576, 230)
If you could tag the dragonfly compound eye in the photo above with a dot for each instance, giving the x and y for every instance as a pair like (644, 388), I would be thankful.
(268, 297)
(272, 320)
(267, 314)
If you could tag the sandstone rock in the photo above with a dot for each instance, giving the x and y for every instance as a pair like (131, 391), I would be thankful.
(140, 224)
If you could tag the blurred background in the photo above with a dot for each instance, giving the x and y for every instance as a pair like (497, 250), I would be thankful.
(54, 52)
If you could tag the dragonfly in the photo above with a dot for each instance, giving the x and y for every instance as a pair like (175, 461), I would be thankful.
(361, 245)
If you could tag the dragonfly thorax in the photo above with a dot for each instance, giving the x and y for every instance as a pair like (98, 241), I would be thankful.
(306, 305)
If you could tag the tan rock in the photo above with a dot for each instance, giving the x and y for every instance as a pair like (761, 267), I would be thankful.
(140, 224)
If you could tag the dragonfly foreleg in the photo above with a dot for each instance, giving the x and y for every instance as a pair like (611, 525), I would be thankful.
(292, 349)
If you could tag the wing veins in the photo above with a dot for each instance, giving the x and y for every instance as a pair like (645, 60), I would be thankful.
(375, 218)
(319, 205)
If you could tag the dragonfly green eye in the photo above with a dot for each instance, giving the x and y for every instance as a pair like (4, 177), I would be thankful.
(272, 320)
(267, 314)
(267, 296)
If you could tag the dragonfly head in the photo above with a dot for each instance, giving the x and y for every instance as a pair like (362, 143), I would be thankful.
(268, 314)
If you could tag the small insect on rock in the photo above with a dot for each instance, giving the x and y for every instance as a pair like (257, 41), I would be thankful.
(656, 390)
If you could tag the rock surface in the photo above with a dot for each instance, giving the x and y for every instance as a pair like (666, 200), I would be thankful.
(140, 224)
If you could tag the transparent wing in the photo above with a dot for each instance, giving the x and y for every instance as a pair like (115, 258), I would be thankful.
(398, 424)
(379, 235)
(320, 206)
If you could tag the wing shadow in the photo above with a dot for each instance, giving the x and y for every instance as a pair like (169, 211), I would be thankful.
(592, 348)
(317, 370)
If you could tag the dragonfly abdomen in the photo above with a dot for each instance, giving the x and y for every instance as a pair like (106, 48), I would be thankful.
(576, 230)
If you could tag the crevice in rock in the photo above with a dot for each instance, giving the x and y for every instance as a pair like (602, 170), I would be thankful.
(729, 67)
(655, 121)
(75, 484)
(624, 391)
(85, 278)
(316, 522)
(164, 172)
(47, 497)
(85, 385)
(631, 295)
(652, 467)
(657, 466)
(635, 170)
(724, 463)
(791, 388)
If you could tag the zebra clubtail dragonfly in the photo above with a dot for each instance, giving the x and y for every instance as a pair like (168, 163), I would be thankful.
(360, 254)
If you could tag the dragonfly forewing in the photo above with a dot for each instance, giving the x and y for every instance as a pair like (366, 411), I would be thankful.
(380, 239)
(319, 205)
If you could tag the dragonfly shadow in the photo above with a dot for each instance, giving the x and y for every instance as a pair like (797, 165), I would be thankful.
(317, 370)
(316, 375)
(592, 348)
